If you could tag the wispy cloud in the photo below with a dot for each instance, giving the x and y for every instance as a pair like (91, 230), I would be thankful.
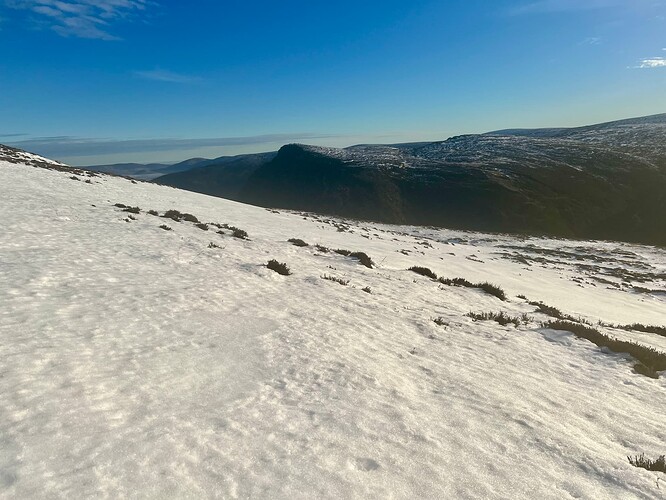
(13, 135)
(82, 18)
(652, 62)
(166, 76)
(591, 40)
(554, 6)
(67, 146)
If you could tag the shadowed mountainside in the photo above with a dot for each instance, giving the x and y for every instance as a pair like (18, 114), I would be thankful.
(603, 181)
(491, 183)
(223, 177)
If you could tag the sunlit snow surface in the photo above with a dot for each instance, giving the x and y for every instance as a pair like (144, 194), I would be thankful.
(138, 362)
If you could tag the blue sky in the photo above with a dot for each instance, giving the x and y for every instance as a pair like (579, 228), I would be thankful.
(87, 81)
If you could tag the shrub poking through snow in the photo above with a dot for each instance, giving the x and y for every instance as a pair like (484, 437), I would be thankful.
(651, 359)
(165, 227)
(638, 327)
(641, 369)
(337, 280)
(153, 212)
(440, 321)
(423, 271)
(238, 233)
(178, 216)
(554, 312)
(489, 288)
(456, 282)
(363, 259)
(278, 267)
(213, 245)
(659, 330)
(322, 248)
(547, 310)
(132, 210)
(120, 205)
(202, 226)
(501, 317)
(172, 214)
(297, 242)
(367, 289)
(658, 464)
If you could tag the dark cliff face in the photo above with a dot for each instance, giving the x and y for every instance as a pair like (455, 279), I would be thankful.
(303, 179)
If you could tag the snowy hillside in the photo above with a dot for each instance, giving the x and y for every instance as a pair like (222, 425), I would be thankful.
(643, 137)
(13, 155)
(142, 356)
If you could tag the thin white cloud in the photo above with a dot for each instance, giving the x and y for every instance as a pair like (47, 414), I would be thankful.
(66, 146)
(558, 6)
(160, 75)
(592, 40)
(81, 18)
(652, 62)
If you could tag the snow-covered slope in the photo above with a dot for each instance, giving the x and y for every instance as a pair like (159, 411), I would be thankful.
(142, 362)
(643, 137)
(13, 155)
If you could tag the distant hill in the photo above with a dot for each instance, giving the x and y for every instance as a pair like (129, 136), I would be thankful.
(223, 177)
(644, 137)
(147, 171)
(135, 170)
(150, 171)
(604, 181)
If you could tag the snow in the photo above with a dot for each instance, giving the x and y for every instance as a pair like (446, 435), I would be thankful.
(24, 157)
(138, 362)
(376, 155)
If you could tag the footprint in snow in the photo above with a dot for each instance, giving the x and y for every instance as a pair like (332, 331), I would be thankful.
(366, 464)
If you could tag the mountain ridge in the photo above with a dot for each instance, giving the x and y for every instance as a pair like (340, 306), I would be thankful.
(602, 181)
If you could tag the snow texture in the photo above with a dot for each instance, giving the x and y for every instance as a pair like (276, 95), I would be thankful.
(140, 362)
